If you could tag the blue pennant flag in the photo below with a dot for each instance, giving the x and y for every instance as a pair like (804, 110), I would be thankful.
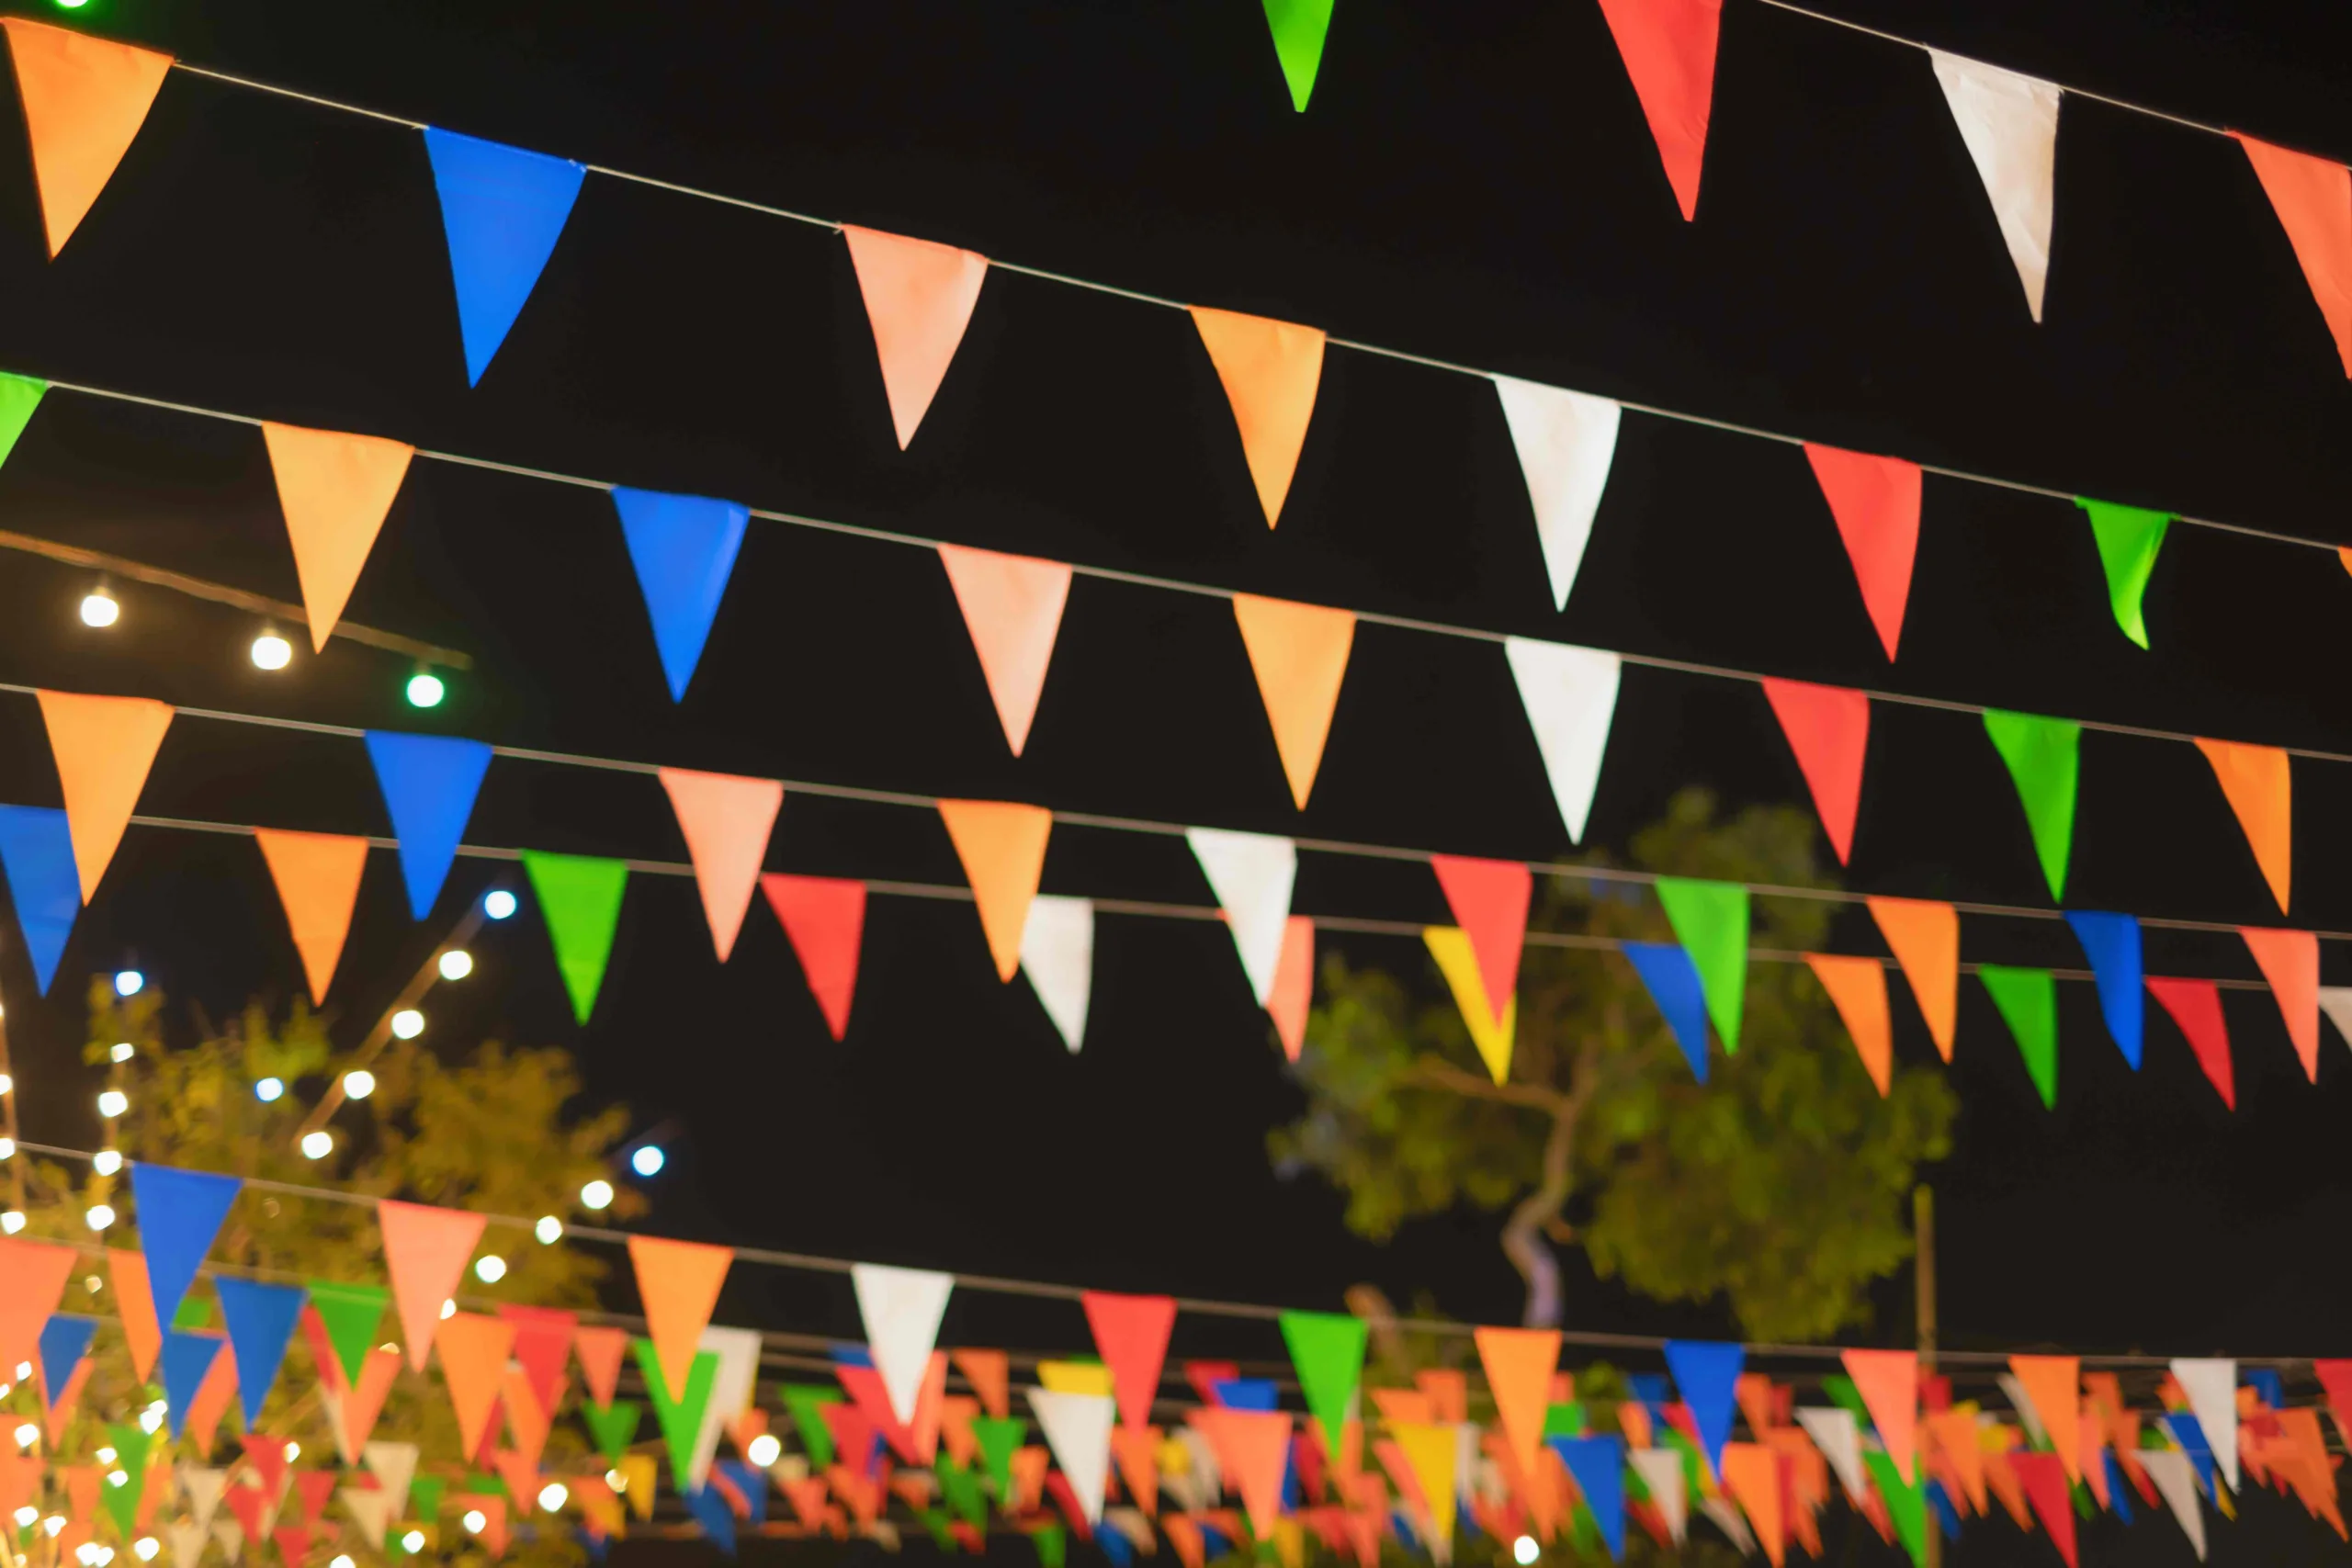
(1245, 1393)
(1597, 1467)
(717, 1519)
(596, 1545)
(187, 1358)
(65, 1340)
(429, 784)
(1115, 1545)
(260, 1319)
(502, 210)
(1673, 983)
(2266, 1382)
(1708, 1376)
(684, 549)
(2112, 943)
(2190, 1435)
(752, 1482)
(2115, 1486)
(179, 1213)
(37, 853)
(1649, 1389)
(1939, 1504)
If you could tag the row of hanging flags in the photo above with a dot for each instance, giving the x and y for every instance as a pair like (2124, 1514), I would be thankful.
(1893, 1440)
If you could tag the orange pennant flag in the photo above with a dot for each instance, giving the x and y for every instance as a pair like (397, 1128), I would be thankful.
(2289, 961)
(36, 1272)
(84, 100)
(474, 1346)
(919, 298)
(1003, 846)
(426, 1250)
(1293, 989)
(678, 1282)
(365, 1401)
(104, 747)
(1752, 1476)
(1925, 937)
(1254, 1446)
(601, 1352)
(1956, 1439)
(1520, 1363)
(318, 881)
(2054, 1385)
(1299, 653)
(2259, 783)
(135, 1299)
(1270, 371)
(335, 490)
(1888, 1381)
(1012, 607)
(1858, 987)
(725, 821)
(2314, 200)
(988, 1372)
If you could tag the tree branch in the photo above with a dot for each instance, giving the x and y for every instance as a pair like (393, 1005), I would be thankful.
(1435, 1072)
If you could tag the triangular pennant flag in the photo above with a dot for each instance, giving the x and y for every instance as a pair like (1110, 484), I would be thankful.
(1299, 27)
(202, 1485)
(502, 210)
(1888, 1381)
(1003, 846)
(901, 1308)
(725, 821)
(2044, 760)
(613, 1425)
(429, 782)
(473, 1348)
(1570, 696)
(2127, 539)
(260, 1321)
(2054, 1385)
(1252, 875)
(1012, 607)
(104, 747)
(1707, 1375)
(1449, 947)
(1751, 1474)
(179, 1213)
(370, 1508)
(65, 1340)
(365, 1402)
(19, 396)
(679, 1282)
(1670, 51)
(1924, 936)
(1828, 727)
(825, 919)
(1875, 502)
(1433, 1454)
(2112, 943)
(1710, 919)
(2045, 1483)
(2314, 200)
(85, 99)
(1270, 371)
(1663, 1478)
(1520, 1364)
(2289, 961)
(1489, 899)
(351, 1314)
(2177, 1483)
(1327, 1350)
(317, 876)
(1294, 991)
(1078, 1428)
(579, 900)
(919, 297)
(1833, 1432)
(187, 1361)
(601, 1352)
(2010, 124)
(1672, 981)
(684, 548)
(2196, 1010)
(2259, 784)
(1058, 955)
(1597, 1467)
(1902, 1506)
(1857, 988)
(36, 854)
(731, 1389)
(2028, 1002)
(335, 490)
(1131, 1334)
(142, 1332)
(425, 1251)
(1299, 653)
(1566, 442)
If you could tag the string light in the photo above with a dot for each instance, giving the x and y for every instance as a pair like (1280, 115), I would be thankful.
(1524, 1550)
(6, 1083)
(425, 690)
(649, 1160)
(106, 1162)
(7, 1148)
(549, 1230)
(474, 1521)
(553, 1496)
(489, 1268)
(271, 651)
(99, 1216)
(129, 982)
(13, 1219)
(358, 1083)
(100, 608)
(28, 1517)
(112, 1103)
(448, 1310)
(124, 1050)
(498, 904)
(27, 1435)
(408, 1024)
(764, 1450)
(268, 1089)
(597, 1194)
(318, 1144)
(413, 1542)
(146, 1547)
(457, 964)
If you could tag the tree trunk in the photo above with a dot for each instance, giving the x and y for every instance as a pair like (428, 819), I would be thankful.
(1523, 1238)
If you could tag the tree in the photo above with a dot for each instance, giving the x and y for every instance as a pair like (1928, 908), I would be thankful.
(1778, 1184)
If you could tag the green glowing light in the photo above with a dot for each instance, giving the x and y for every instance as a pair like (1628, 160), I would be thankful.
(425, 690)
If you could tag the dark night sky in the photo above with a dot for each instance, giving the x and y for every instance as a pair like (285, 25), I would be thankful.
(1474, 182)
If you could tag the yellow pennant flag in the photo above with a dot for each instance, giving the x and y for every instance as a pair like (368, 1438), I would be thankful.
(1451, 947)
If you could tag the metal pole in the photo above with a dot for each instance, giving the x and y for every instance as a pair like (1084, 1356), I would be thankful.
(1923, 1237)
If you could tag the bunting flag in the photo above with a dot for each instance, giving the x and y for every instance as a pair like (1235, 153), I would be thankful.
(1299, 27)
(1270, 371)
(1924, 936)
(429, 782)
(260, 1321)
(1597, 1467)
(1710, 919)
(19, 396)
(335, 490)
(1707, 1374)
(317, 876)
(1662, 1474)
(1299, 653)
(349, 1315)
(2176, 1483)
(1003, 846)
(1888, 1381)
(2195, 1007)
(426, 1252)
(1520, 1364)
(2112, 944)
(2045, 1483)
(1857, 987)
(187, 1361)
(1131, 1334)
(613, 1425)
(85, 99)
(2028, 1002)
(732, 1385)
(2314, 200)
(1077, 1429)
(2337, 1002)
(65, 1341)
(1432, 1452)
(2127, 539)
(2290, 962)
(900, 1309)
(503, 211)
(725, 821)
(2052, 1385)
(543, 1338)
(103, 747)
(1828, 727)
(1012, 607)
(141, 1333)
(1327, 1350)
(683, 550)
(36, 855)
(1875, 502)
(179, 1213)
(1294, 991)
(601, 1352)
(824, 916)
(679, 1282)
(2259, 783)
(1570, 696)
(1058, 955)
(2044, 760)
(1668, 48)
(1672, 981)
(919, 298)
(1456, 960)
(1250, 875)
(1567, 442)
(579, 902)
(1751, 1474)
(1489, 899)
(473, 1348)
(1833, 1431)
(2010, 125)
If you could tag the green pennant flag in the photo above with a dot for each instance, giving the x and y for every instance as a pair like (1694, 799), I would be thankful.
(1053, 1545)
(806, 1402)
(1299, 27)
(2129, 538)
(1563, 1419)
(351, 1314)
(1328, 1349)
(483, 1484)
(1710, 919)
(2045, 758)
(935, 1521)
(579, 899)
(121, 1502)
(999, 1440)
(961, 1487)
(1907, 1504)
(2028, 1003)
(20, 395)
(1844, 1395)
(680, 1419)
(425, 1498)
(194, 1312)
(613, 1425)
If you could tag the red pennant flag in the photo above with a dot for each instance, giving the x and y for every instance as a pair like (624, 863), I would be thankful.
(1294, 988)
(2045, 1485)
(1876, 503)
(2289, 961)
(85, 99)
(1489, 899)
(1131, 1332)
(542, 1344)
(678, 1282)
(293, 1544)
(1012, 607)
(1670, 51)
(601, 1352)
(1829, 729)
(2196, 1010)
(825, 918)
(311, 1490)
(2314, 200)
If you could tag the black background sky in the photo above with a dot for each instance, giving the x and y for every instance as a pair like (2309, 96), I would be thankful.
(1473, 183)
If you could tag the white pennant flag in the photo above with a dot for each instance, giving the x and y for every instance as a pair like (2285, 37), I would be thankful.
(1661, 1473)
(901, 1308)
(1078, 1428)
(2022, 1403)
(1252, 875)
(1833, 1432)
(2337, 1002)
(1565, 441)
(203, 1485)
(372, 1509)
(1570, 695)
(2010, 123)
(188, 1545)
(2170, 1470)
(1133, 1524)
(1201, 1466)
(1058, 955)
(2212, 1384)
(731, 1393)
(394, 1466)
(231, 1538)
(1729, 1520)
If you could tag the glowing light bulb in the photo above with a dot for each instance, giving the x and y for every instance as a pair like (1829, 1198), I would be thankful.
(145, 1547)
(474, 1521)
(498, 904)
(27, 1435)
(106, 1162)
(425, 690)
(342, 1560)
(765, 1451)
(649, 1160)
(448, 1310)
(457, 964)
(118, 1478)
(293, 1452)
(408, 1024)
(99, 1216)
(271, 651)
(596, 1194)
(553, 1496)
(92, 1284)
(616, 1481)
(413, 1542)
(6, 1083)
(99, 608)
(28, 1517)
(113, 1102)
(149, 1420)
(1524, 1550)
(123, 1051)
(129, 982)
(270, 1089)
(490, 1269)
(358, 1083)
(549, 1230)
(318, 1144)
(7, 1148)
(53, 1524)
(13, 1221)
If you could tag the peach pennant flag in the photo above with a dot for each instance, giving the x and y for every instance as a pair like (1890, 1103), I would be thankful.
(85, 99)
(317, 875)
(919, 298)
(2314, 200)
(601, 1352)
(725, 821)
(2289, 961)
(2259, 783)
(1294, 990)
(36, 1272)
(1299, 653)
(1888, 1381)
(104, 747)
(1518, 1363)
(678, 1282)
(1270, 371)
(1003, 846)
(2052, 1385)
(473, 1348)
(1858, 987)
(426, 1250)
(1925, 937)
(335, 490)
(1012, 607)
